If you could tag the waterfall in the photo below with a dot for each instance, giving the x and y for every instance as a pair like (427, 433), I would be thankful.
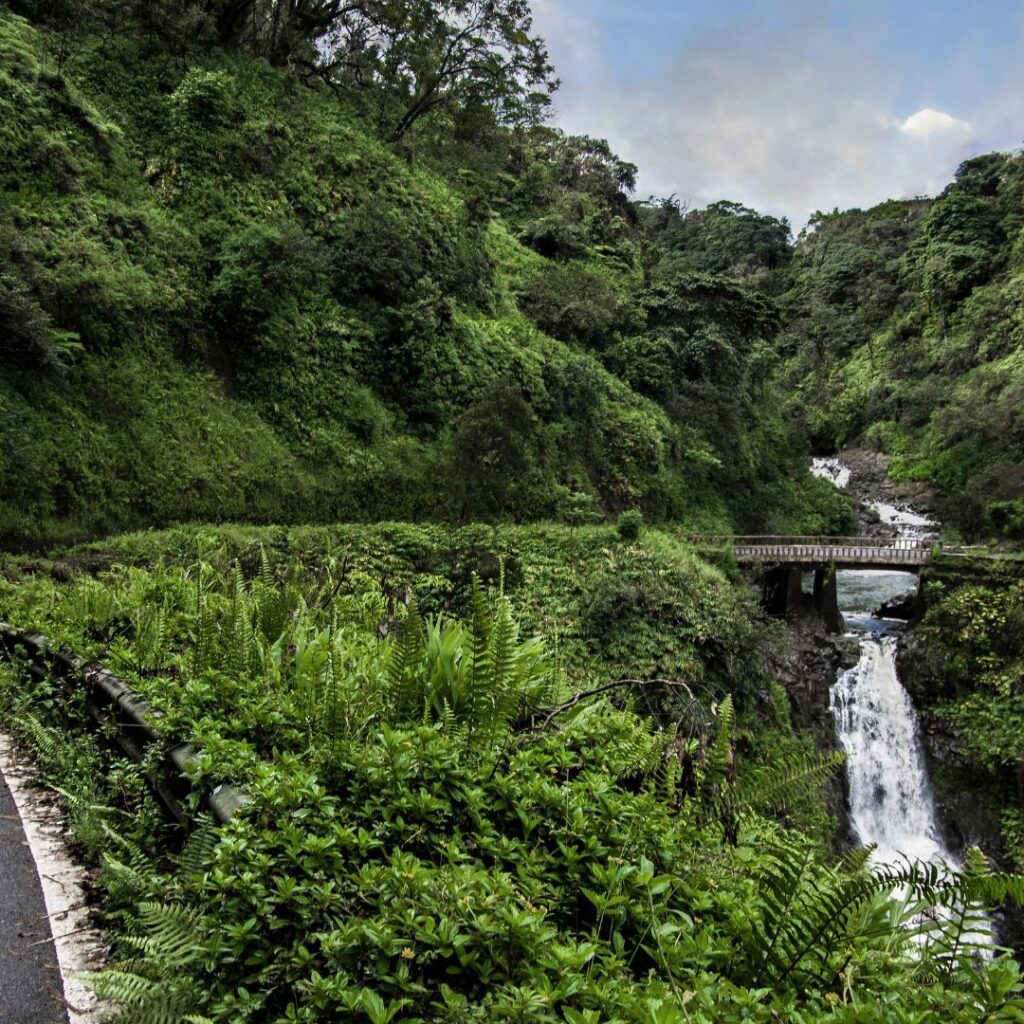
(891, 804)
(890, 800)
(831, 469)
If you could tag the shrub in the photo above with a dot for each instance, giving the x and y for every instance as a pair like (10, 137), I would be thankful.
(628, 524)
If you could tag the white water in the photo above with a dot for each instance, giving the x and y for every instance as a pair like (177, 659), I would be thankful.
(907, 522)
(891, 804)
(890, 800)
(831, 469)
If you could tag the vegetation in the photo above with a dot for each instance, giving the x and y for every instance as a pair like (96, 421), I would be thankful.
(966, 670)
(440, 827)
(227, 292)
(509, 747)
(903, 333)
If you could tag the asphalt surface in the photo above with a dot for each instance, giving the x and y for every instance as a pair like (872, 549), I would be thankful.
(30, 982)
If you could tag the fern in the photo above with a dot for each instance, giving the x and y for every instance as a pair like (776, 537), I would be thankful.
(204, 644)
(330, 698)
(239, 639)
(169, 934)
(150, 640)
(406, 653)
(129, 874)
(809, 922)
(481, 648)
(198, 849)
(774, 789)
(140, 1000)
(153, 987)
(499, 693)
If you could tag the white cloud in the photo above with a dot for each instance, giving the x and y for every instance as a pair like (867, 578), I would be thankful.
(787, 115)
(928, 122)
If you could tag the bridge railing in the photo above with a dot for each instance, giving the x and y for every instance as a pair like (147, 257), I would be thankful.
(886, 544)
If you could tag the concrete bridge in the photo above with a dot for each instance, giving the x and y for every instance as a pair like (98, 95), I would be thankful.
(900, 554)
(780, 562)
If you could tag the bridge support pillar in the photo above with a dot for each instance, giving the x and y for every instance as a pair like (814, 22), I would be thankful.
(782, 591)
(826, 599)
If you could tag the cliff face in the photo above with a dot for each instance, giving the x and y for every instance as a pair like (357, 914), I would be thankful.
(805, 659)
(972, 796)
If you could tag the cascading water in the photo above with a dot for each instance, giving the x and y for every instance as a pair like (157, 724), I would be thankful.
(891, 803)
(831, 469)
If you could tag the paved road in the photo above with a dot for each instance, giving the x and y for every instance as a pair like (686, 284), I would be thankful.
(30, 984)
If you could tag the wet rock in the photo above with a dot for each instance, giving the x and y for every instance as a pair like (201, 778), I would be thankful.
(870, 483)
(904, 606)
(806, 659)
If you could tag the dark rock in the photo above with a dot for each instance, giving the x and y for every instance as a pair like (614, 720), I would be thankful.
(805, 659)
(905, 606)
(870, 482)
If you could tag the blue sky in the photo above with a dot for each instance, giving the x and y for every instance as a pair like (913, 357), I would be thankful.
(790, 105)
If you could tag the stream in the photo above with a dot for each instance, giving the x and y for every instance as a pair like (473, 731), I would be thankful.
(891, 804)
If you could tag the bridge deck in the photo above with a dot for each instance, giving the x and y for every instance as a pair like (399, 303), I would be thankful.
(877, 552)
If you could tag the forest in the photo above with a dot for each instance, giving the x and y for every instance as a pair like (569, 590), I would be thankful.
(360, 419)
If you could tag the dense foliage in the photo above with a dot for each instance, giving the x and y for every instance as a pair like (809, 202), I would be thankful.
(440, 828)
(966, 670)
(319, 261)
(904, 332)
(225, 293)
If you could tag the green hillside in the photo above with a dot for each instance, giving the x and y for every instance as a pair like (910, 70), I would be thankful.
(356, 418)
(904, 332)
(225, 297)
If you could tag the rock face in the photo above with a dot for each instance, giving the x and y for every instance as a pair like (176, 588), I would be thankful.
(906, 607)
(806, 659)
(969, 800)
(870, 482)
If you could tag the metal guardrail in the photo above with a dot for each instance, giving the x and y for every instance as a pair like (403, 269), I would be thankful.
(110, 701)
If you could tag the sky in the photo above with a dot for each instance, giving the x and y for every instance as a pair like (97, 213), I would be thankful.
(790, 106)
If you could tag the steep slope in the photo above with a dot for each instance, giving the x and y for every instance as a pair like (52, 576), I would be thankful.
(222, 297)
(904, 332)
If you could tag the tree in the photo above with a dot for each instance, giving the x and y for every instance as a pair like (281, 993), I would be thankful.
(490, 453)
(410, 57)
(283, 31)
(573, 303)
(422, 56)
(960, 245)
(723, 238)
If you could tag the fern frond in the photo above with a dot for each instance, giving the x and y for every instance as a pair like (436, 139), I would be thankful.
(777, 787)
(498, 689)
(169, 938)
(198, 849)
(140, 1000)
(482, 665)
(405, 655)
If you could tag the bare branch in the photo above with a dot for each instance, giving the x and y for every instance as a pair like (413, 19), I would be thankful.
(672, 684)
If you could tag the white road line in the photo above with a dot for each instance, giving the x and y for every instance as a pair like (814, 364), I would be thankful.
(78, 945)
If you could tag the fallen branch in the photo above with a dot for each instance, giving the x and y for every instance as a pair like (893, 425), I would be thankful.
(672, 684)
